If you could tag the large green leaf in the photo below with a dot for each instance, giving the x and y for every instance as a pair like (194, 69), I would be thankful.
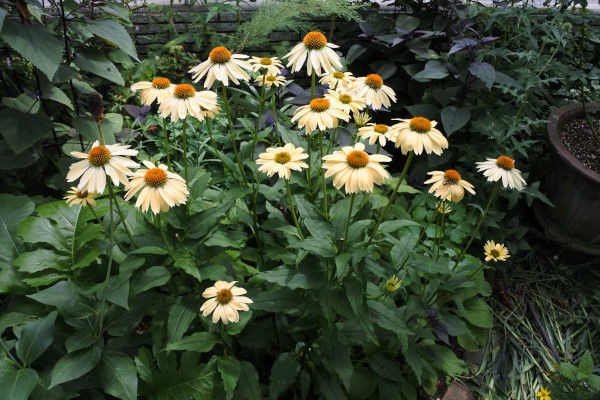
(152, 277)
(18, 385)
(477, 312)
(10, 161)
(389, 318)
(230, 369)
(67, 299)
(36, 337)
(118, 375)
(179, 320)
(293, 279)
(36, 43)
(115, 33)
(22, 130)
(3, 13)
(200, 342)
(189, 384)
(93, 61)
(454, 118)
(40, 260)
(283, 373)
(75, 365)
(248, 387)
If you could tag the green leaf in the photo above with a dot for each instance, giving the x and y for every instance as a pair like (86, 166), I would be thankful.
(336, 355)
(13, 209)
(248, 387)
(55, 94)
(389, 318)
(40, 260)
(22, 130)
(433, 70)
(454, 118)
(115, 33)
(321, 247)
(293, 279)
(407, 23)
(18, 385)
(276, 300)
(3, 13)
(36, 337)
(355, 51)
(485, 72)
(230, 369)
(179, 320)
(586, 364)
(477, 312)
(200, 342)
(66, 298)
(36, 43)
(80, 340)
(568, 370)
(117, 292)
(93, 61)
(152, 277)
(118, 375)
(283, 373)
(189, 384)
(75, 365)
(24, 103)
(188, 264)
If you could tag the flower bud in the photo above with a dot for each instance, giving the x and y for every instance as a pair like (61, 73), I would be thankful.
(96, 107)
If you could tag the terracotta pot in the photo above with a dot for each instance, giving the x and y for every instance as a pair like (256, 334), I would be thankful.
(573, 188)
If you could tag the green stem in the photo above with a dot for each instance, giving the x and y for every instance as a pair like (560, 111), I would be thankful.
(231, 137)
(167, 146)
(292, 208)
(325, 208)
(485, 213)
(158, 222)
(214, 145)
(260, 111)
(275, 122)
(343, 246)
(392, 197)
(101, 134)
(109, 266)
(185, 151)
(313, 81)
(441, 233)
(121, 215)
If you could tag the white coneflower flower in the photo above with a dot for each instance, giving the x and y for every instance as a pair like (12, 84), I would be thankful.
(319, 113)
(448, 185)
(376, 133)
(503, 168)
(224, 301)
(111, 160)
(271, 65)
(495, 251)
(419, 134)
(354, 169)
(282, 160)
(270, 80)
(161, 189)
(158, 89)
(338, 80)
(76, 196)
(185, 100)
(317, 53)
(222, 66)
(376, 94)
(349, 101)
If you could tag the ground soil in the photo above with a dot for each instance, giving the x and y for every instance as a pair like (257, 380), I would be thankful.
(579, 140)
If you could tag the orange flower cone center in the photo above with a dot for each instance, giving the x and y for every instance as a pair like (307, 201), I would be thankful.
(315, 40)
(420, 124)
(338, 75)
(282, 157)
(81, 195)
(266, 61)
(220, 55)
(319, 104)
(380, 128)
(184, 91)
(161, 83)
(345, 99)
(374, 81)
(452, 175)
(155, 177)
(357, 159)
(99, 156)
(224, 296)
(505, 163)
(271, 78)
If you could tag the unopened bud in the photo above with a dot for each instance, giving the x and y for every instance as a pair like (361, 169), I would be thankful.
(96, 107)
(392, 284)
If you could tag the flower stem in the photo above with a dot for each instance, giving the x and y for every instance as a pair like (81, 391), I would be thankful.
(185, 151)
(167, 146)
(230, 131)
(313, 81)
(214, 146)
(158, 223)
(441, 234)
(275, 122)
(121, 215)
(392, 197)
(343, 246)
(485, 213)
(292, 208)
(109, 266)
(325, 208)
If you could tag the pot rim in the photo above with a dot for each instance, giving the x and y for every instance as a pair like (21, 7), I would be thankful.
(557, 118)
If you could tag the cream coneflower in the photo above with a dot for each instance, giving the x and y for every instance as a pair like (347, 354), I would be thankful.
(224, 301)
(111, 160)
(271, 65)
(158, 89)
(448, 185)
(419, 134)
(282, 160)
(184, 100)
(354, 169)
(376, 94)
(204, 113)
(318, 54)
(76, 196)
(270, 80)
(349, 101)
(161, 189)
(503, 168)
(338, 80)
(319, 113)
(495, 251)
(376, 133)
(222, 66)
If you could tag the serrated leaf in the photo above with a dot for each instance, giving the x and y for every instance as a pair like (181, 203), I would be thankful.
(22, 130)
(36, 337)
(115, 33)
(586, 364)
(454, 118)
(230, 369)
(55, 94)
(36, 43)
(18, 385)
(283, 373)
(118, 375)
(75, 365)
(200, 342)
(484, 71)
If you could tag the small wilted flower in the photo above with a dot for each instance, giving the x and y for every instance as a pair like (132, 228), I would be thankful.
(224, 301)
(361, 119)
(448, 185)
(392, 284)
(282, 160)
(318, 54)
(76, 196)
(502, 168)
(96, 106)
(441, 207)
(495, 251)
(419, 134)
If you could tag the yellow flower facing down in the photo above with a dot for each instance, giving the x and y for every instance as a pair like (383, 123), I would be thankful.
(392, 284)
(222, 66)
(441, 207)
(354, 169)
(157, 90)
(271, 65)
(316, 52)
(282, 160)
(160, 189)
(419, 134)
(76, 196)
(502, 168)
(224, 301)
(448, 185)
(372, 89)
(544, 394)
(495, 251)
(319, 113)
